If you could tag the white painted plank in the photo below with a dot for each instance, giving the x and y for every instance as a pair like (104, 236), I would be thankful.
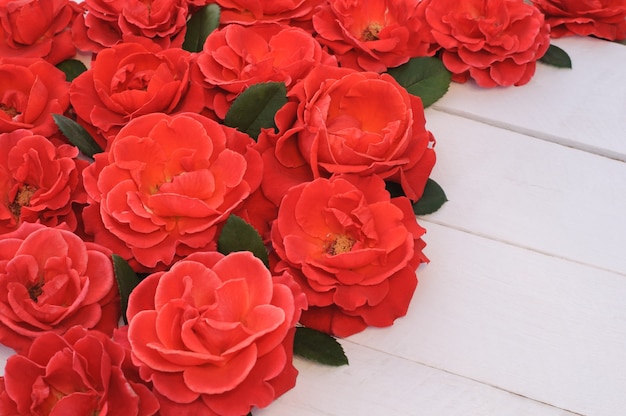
(542, 327)
(376, 384)
(584, 107)
(529, 192)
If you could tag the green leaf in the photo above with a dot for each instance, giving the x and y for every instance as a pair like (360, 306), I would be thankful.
(72, 68)
(319, 347)
(238, 235)
(556, 56)
(425, 77)
(256, 107)
(127, 280)
(394, 189)
(432, 199)
(201, 24)
(77, 135)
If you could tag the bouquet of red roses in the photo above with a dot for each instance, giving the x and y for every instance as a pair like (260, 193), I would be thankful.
(222, 185)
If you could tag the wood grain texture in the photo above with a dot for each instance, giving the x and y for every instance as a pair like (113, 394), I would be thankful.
(531, 193)
(539, 326)
(376, 383)
(583, 107)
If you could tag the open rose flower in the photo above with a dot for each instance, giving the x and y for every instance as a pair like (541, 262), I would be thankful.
(372, 35)
(166, 184)
(130, 80)
(79, 373)
(605, 19)
(214, 334)
(236, 57)
(106, 23)
(273, 11)
(30, 91)
(352, 248)
(348, 122)
(50, 280)
(39, 182)
(494, 42)
(37, 29)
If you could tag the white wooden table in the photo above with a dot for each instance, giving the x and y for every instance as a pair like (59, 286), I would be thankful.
(522, 309)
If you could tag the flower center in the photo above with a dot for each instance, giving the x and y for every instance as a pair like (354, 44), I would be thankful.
(9, 111)
(371, 31)
(341, 244)
(35, 291)
(22, 199)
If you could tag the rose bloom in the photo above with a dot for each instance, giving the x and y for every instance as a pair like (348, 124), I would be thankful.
(79, 373)
(495, 42)
(605, 19)
(50, 280)
(165, 186)
(254, 11)
(345, 121)
(39, 182)
(236, 57)
(373, 35)
(37, 29)
(214, 334)
(352, 249)
(130, 80)
(106, 23)
(30, 91)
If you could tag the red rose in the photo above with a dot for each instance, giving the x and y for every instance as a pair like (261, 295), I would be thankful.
(50, 280)
(106, 23)
(40, 182)
(372, 35)
(214, 334)
(37, 29)
(30, 91)
(166, 184)
(235, 57)
(605, 19)
(79, 373)
(495, 42)
(259, 212)
(253, 11)
(352, 248)
(348, 122)
(130, 80)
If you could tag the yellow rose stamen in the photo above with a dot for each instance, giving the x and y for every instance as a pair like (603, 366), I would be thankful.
(371, 31)
(22, 199)
(340, 244)
(9, 111)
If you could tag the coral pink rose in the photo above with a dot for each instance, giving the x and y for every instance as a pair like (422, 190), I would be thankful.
(106, 23)
(165, 186)
(495, 42)
(37, 29)
(372, 35)
(214, 334)
(236, 57)
(79, 373)
(344, 121)
(352, 248)
(255, 11)
(40, 182)
(605, 19)
(30, 91)
(130, 80)
(50, 280)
